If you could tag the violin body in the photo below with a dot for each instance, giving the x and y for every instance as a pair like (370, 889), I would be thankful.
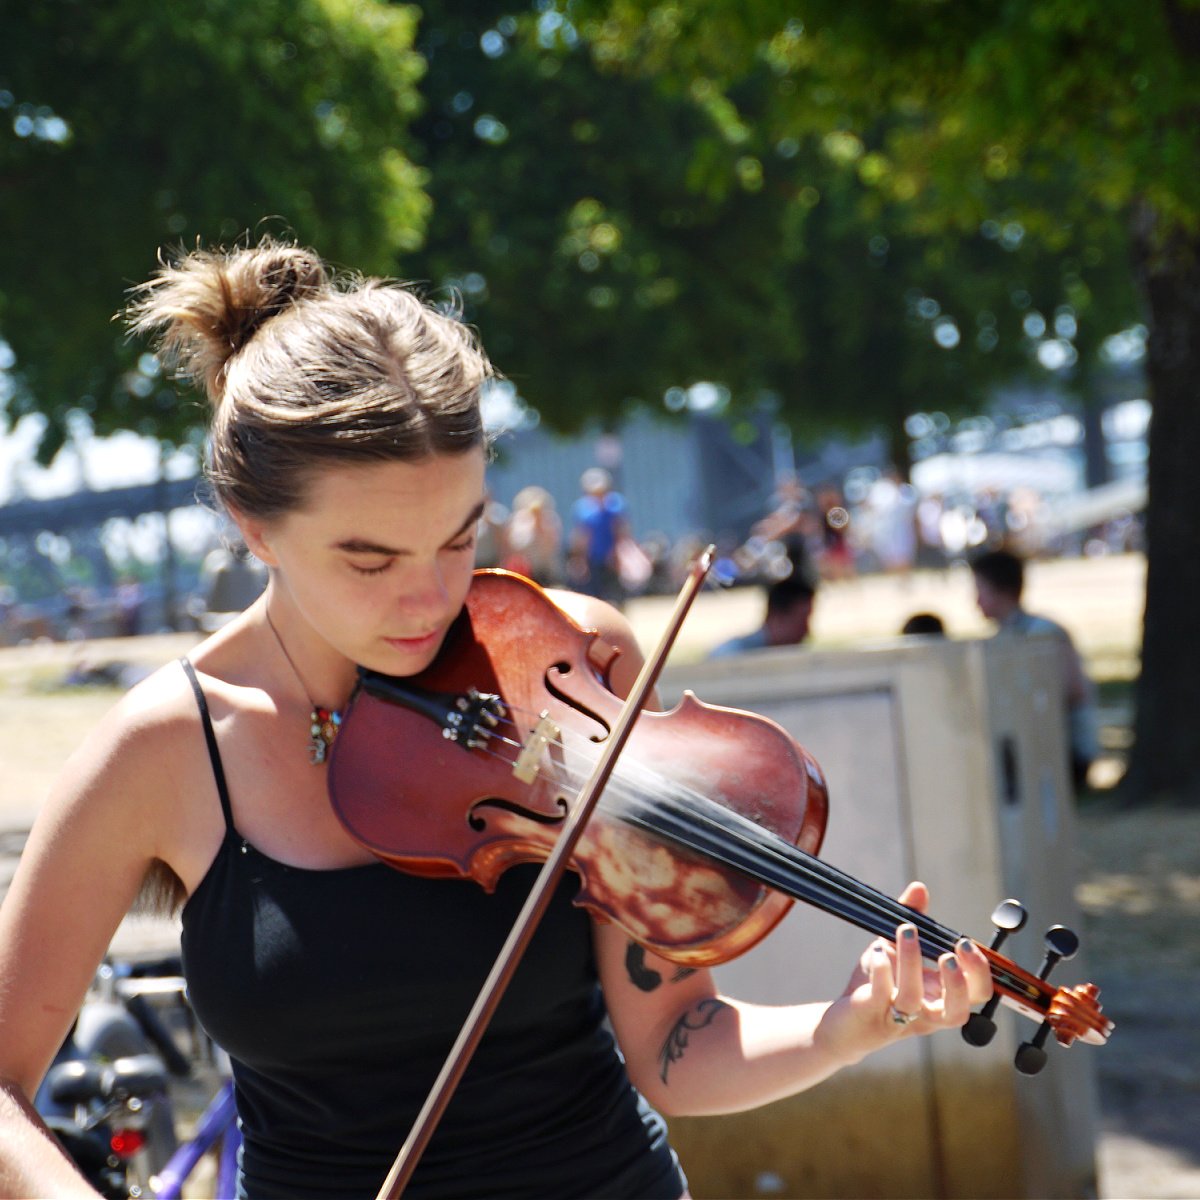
(706, 831)
(492, 811)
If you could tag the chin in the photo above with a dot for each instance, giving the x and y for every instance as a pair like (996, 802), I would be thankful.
(402, 660)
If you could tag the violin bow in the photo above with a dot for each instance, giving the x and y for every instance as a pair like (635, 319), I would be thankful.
(539, 897)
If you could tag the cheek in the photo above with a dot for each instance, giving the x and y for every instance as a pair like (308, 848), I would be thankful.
(341, 600)
(462, 575)
(455, 587)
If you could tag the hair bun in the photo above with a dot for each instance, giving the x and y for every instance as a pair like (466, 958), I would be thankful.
(265, 281)
(206, 306)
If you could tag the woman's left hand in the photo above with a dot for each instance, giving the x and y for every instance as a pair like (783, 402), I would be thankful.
(893, 993)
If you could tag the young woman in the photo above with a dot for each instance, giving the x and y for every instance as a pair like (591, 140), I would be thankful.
(347, 446)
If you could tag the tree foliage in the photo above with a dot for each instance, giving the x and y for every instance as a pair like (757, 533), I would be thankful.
(615, 233)
(131, 126)
(624, 221)
(1082, 128)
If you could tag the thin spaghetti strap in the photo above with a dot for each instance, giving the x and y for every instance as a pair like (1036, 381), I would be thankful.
(210, 738)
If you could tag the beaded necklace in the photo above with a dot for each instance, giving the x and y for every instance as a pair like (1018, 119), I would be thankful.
(323, 723)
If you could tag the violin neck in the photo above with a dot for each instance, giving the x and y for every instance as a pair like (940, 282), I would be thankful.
(726, 837)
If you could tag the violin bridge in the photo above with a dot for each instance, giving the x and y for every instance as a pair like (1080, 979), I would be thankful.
(529, 761)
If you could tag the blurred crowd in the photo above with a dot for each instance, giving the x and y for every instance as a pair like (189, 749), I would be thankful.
(805, 537)
(886, 525)
(832, 532)
(828, 530)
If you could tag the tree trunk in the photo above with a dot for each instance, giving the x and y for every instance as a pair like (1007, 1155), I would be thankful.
(899, 443)
(1165, 760)
(1096, 471)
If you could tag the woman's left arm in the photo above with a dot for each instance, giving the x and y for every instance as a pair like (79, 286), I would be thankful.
(692, 1051)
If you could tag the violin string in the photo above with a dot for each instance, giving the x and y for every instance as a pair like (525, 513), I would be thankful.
(698, 814)
(696, 809)
(781, 862)
(694, 813)
(842, 895)
(690, 817)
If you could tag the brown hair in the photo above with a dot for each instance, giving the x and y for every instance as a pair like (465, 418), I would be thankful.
(1002, 569)
(302, 368)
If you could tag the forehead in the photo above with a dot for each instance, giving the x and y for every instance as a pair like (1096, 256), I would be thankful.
(432, 495)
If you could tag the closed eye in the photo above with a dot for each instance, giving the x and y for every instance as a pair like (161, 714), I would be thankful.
(372, 570)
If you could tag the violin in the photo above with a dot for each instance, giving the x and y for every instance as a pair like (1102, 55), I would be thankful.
(706, 833)
(692, 830)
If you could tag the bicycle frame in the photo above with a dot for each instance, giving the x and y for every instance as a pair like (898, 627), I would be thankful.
(218, 1123)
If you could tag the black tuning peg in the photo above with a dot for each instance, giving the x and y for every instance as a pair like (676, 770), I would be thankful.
(1061, 943)
(1030, 1057)
(1008, 917)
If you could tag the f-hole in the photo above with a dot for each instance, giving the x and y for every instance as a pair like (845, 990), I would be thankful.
(563, 670)
(477, 819)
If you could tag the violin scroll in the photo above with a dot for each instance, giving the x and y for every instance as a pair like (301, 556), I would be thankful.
(1069, 1013)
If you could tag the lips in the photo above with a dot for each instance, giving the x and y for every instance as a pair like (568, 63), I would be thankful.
(414, 643)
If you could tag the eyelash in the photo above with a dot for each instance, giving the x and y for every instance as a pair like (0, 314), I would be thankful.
(459, 547)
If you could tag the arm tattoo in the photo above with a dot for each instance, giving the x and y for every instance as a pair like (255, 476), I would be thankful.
(642, 977)
(677, 1040)
(646, 978)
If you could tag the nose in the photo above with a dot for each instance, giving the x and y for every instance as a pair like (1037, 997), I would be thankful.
(425, 597)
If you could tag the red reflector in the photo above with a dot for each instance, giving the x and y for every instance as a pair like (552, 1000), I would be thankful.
(127, 1142)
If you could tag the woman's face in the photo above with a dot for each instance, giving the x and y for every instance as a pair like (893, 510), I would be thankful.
(379, 558)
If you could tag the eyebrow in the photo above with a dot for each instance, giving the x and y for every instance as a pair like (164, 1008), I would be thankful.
(364, 546)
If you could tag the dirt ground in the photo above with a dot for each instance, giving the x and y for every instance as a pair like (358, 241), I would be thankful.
(1138, 872)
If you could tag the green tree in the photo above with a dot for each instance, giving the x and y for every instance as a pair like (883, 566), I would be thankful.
(993, 109)
(130, 126)
(617, 235)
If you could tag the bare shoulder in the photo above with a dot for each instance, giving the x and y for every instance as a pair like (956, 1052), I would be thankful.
(147, 725)
(125, 782)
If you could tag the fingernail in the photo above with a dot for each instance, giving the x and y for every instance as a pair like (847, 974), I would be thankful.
(909, 934)
(880, 950)
(952, 963)
(965, 946)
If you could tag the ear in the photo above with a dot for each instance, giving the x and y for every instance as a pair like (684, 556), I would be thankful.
(256, 534)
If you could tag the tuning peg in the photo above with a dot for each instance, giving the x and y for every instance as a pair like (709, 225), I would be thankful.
(1008, 917)
(1061, 943)
(1030, 1057)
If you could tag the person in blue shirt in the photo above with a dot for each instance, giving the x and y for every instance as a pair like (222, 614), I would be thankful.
(599, 525)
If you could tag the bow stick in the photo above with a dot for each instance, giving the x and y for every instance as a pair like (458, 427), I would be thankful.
(539, 897)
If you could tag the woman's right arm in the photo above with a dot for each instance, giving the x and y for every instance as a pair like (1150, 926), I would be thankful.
(91, 846)
(32, 1162)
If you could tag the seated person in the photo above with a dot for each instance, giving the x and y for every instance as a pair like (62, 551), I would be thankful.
(999, 581)
(789, 610)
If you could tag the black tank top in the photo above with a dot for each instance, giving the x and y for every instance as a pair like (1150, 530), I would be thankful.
(337, 994)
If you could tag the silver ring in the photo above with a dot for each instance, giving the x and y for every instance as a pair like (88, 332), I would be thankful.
(903, 1018)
